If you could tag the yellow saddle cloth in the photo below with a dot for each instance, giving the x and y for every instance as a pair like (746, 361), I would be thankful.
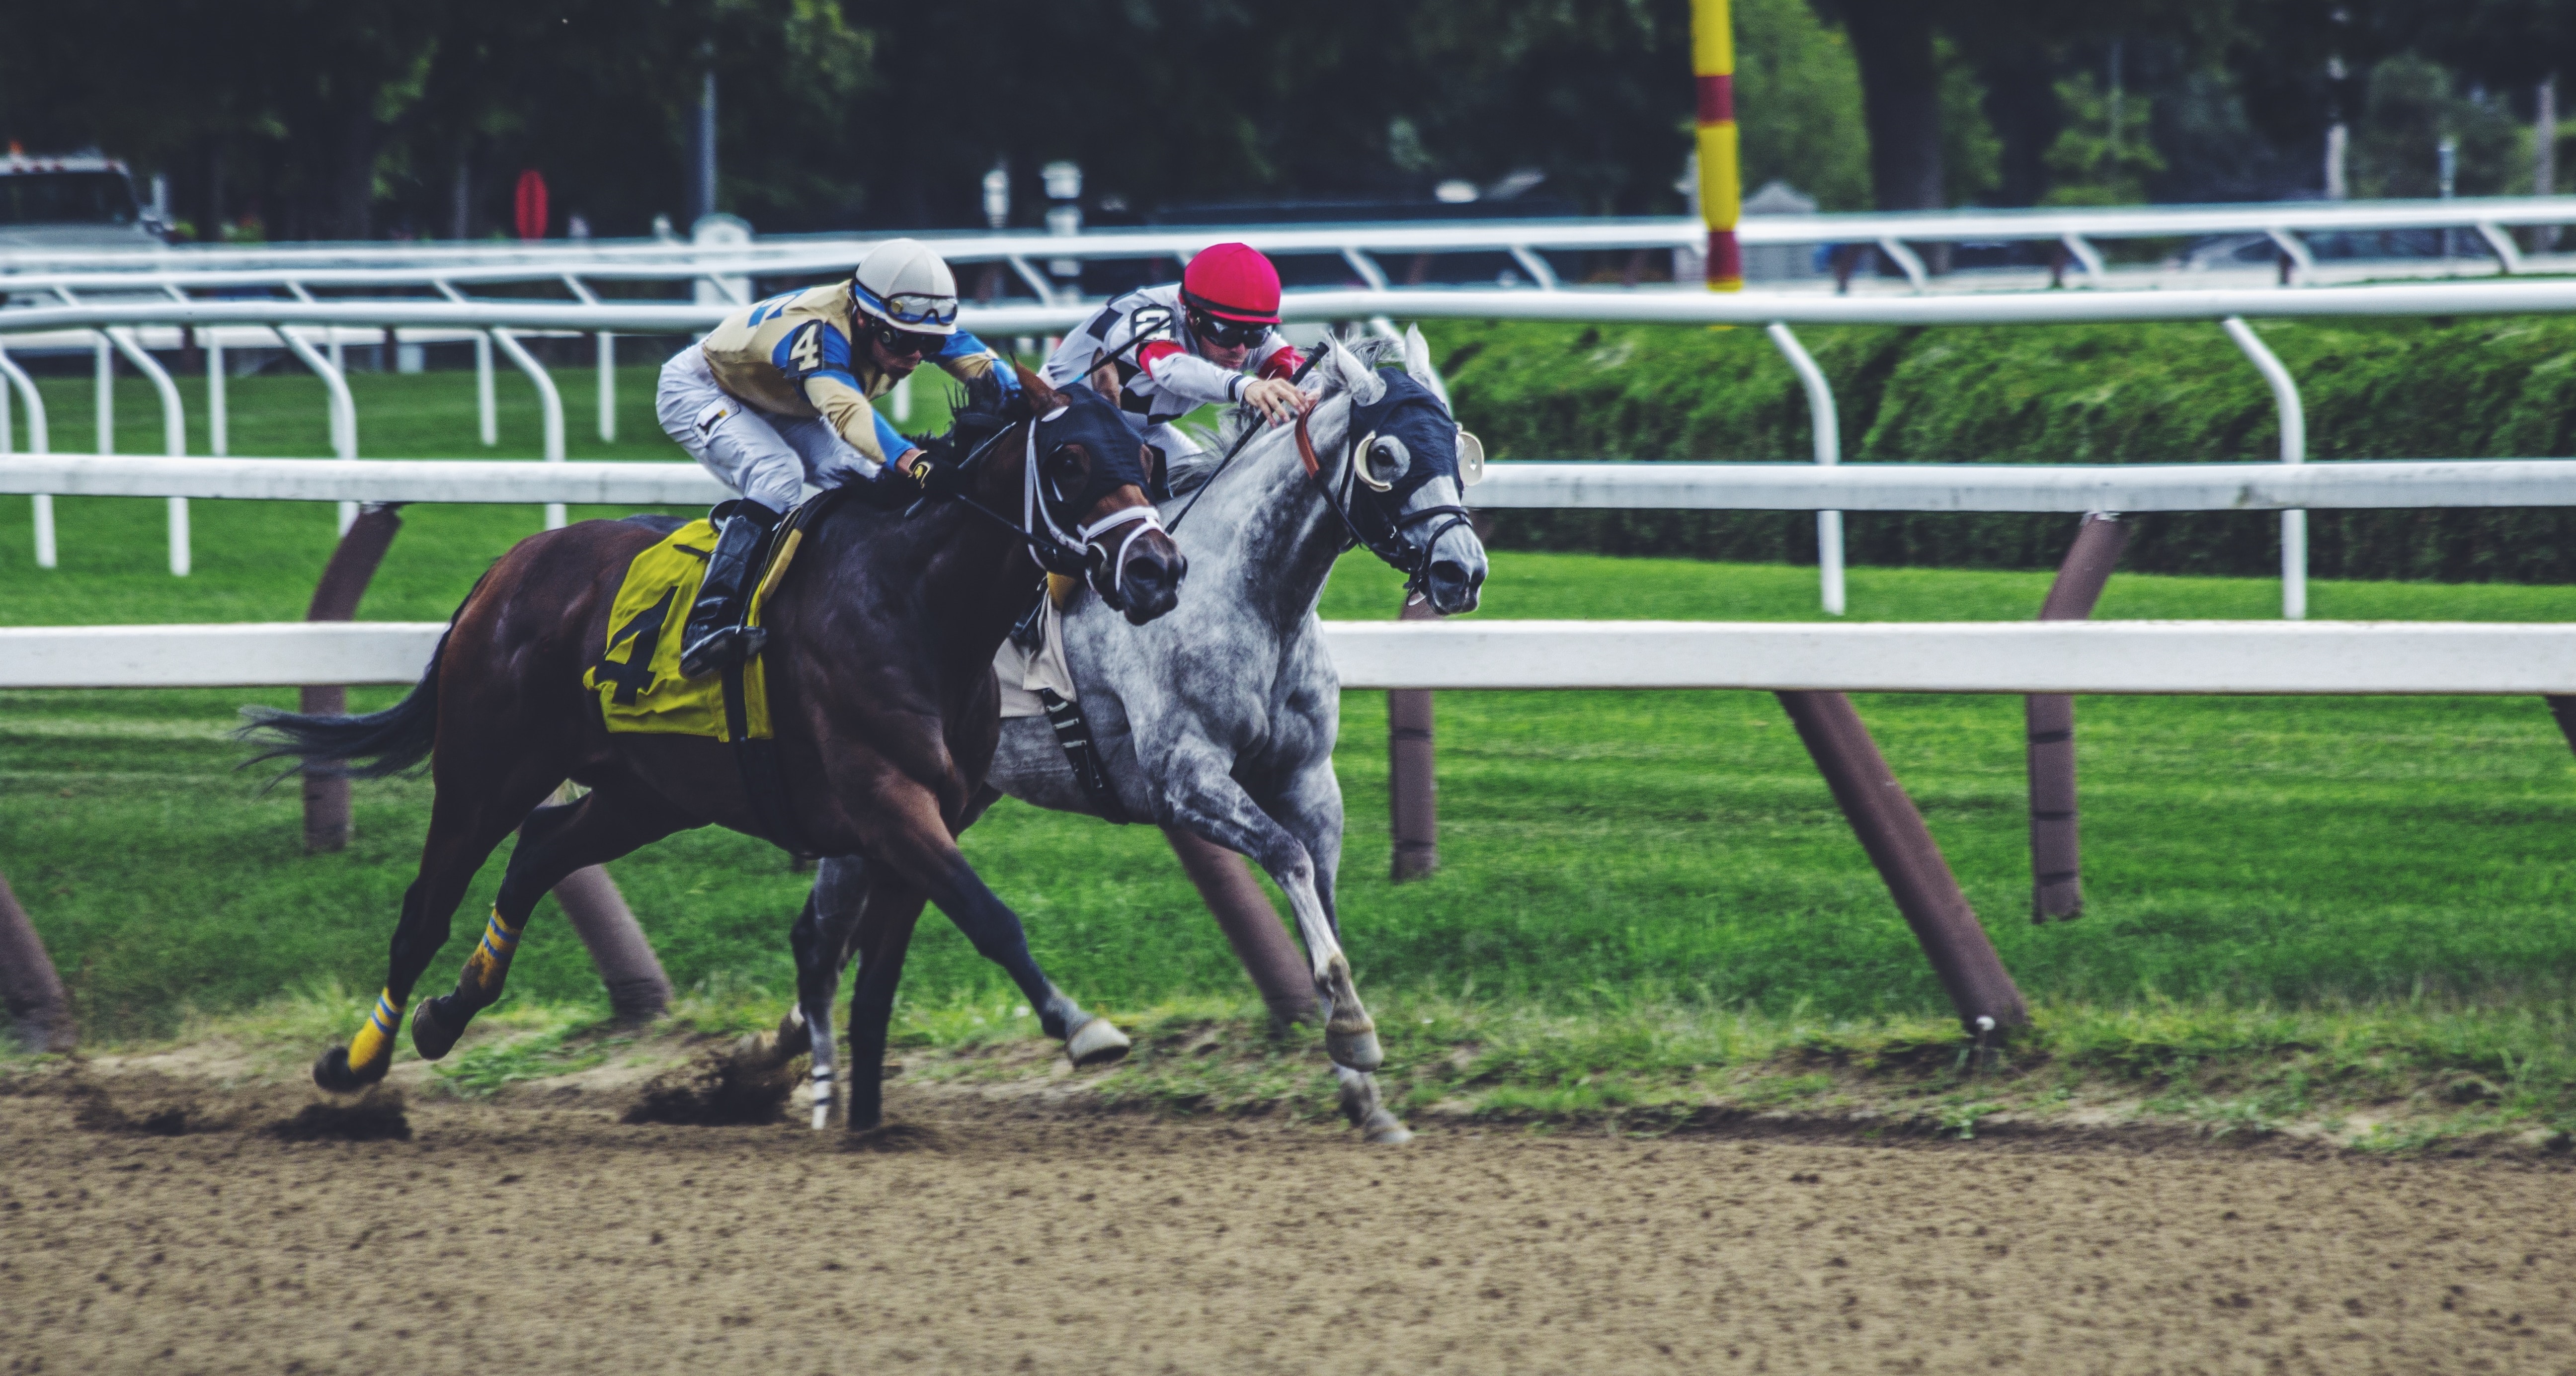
(637, 676)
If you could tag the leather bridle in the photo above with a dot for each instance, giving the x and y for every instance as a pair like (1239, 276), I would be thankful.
(1414, 562)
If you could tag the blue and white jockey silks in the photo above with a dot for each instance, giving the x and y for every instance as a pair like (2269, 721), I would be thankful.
(1162, 370)
(778, 394)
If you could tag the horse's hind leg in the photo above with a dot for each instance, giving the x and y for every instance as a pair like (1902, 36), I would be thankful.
(824, 937)
(464, 825)
(553, 842)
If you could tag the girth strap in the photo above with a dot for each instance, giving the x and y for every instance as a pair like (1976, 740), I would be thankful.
(1073, 732)
(762, 782)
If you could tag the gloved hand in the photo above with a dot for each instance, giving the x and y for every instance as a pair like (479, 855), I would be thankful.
(931, 478)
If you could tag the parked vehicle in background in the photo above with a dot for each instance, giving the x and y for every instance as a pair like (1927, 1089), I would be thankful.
(71, 200)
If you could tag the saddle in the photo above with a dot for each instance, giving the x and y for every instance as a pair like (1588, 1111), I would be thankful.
(637, 674)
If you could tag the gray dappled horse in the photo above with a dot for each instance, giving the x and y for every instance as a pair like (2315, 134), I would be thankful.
(1219, 719)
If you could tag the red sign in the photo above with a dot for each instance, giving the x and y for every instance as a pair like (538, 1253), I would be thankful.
(531, 204)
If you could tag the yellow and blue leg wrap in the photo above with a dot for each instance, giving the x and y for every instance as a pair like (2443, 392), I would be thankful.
(375, 1040)
(490, 963)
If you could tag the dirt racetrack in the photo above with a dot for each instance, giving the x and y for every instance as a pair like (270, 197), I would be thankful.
(993, 1238)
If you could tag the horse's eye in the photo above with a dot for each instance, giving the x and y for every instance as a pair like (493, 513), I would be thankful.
(1383, 461)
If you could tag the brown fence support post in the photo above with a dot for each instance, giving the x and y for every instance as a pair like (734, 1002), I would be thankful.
(638, 991)
(335, 598)
(2564, 709)
(1251, 925)
(1412, 783)
(30, 992)
(2056, 863)
(1909, 860)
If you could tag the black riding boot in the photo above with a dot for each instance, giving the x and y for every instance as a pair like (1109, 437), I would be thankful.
(715, 636)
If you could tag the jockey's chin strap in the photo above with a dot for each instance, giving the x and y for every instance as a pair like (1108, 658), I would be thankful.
(1078, 551)
(1391, 546)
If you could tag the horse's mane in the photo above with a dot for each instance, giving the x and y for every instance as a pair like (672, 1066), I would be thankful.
(1191, 470)
(981, 412)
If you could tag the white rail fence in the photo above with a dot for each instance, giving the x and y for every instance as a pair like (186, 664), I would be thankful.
(2487, 223)
(2134, 657)
(492, 323)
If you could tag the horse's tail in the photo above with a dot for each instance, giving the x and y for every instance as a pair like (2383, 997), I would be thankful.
(364, 747)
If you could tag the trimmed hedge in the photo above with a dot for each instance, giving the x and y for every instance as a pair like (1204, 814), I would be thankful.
(2172, 393)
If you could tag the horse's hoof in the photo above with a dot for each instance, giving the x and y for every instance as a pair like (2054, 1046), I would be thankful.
(430, 1034)
(1355, 1050)
(331, 1071)
(1383, 1129)
(1097, 1042)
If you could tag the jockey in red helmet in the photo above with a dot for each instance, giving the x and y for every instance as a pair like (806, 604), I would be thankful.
(1211, 338)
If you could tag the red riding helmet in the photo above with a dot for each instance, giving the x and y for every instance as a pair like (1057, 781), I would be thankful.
(1232, 282)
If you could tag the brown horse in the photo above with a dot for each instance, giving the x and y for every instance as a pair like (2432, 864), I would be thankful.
(879, 664)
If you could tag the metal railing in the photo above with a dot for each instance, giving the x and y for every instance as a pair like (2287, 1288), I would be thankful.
(2078, 233)
(112, 324)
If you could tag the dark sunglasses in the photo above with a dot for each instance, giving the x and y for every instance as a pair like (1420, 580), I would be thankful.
(1227, 334)
(897, 341)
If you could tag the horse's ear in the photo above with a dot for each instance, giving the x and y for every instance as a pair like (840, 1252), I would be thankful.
(1417, 361)
(1043, 398)
(1357, 378)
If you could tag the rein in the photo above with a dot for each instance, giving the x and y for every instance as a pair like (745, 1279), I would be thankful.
(1246, 438)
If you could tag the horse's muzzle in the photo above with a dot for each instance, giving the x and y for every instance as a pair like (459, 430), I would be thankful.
(1148, 584)
(1454, 587)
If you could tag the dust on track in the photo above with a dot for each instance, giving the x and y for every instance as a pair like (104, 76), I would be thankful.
(992, 1237)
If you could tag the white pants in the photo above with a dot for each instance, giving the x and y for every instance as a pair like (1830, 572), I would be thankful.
(767, 458)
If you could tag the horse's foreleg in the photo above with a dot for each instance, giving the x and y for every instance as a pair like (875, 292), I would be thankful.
(1213, 805)
(553, 842)
(882, 935)
(915, 843)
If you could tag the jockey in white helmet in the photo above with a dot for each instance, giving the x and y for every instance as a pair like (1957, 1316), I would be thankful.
(780, 393)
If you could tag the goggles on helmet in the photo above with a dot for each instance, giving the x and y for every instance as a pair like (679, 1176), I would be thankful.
(1227, 334)
(908, 308)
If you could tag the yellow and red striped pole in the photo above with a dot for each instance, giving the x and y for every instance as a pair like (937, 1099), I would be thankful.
(1721, 187)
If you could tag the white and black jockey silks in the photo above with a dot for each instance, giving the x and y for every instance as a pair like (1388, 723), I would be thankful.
(1163, 371)
(792, 356)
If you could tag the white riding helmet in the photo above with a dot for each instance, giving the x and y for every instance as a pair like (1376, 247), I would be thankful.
(903, 284)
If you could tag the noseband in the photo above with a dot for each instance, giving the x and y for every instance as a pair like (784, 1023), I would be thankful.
(1389, 544)
(1056, 549)
(1037, 514)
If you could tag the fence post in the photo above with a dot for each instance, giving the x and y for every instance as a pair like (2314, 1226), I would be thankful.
(1827, 427)
(1909, 860)
(30, 992)
(2564, 710)
(2056, 864)
(638, 990)
(1225, 883)
(335, 598)
(1412, 781)
(2294, 449)
(38, 442)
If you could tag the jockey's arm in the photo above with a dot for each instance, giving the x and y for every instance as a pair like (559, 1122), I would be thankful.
(1275, 359)
(967, 358)
(1184, 376)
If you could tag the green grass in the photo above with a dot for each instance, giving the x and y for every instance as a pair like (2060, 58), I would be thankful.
(1633, 884)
